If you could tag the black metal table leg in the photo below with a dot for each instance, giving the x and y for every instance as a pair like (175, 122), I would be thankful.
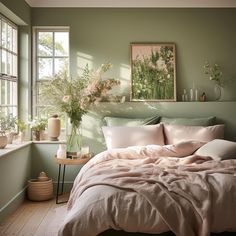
(63, 179)
(58, 182)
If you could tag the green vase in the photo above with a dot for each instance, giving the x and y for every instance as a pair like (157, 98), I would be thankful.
(74, 138)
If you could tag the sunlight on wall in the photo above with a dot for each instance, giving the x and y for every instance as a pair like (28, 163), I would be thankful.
(83, 59)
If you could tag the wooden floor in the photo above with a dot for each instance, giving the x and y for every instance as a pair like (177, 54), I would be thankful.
(35, 218)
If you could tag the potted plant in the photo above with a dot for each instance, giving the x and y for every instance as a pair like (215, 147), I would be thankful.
(37, 125)
(21, 125)
(8, 126)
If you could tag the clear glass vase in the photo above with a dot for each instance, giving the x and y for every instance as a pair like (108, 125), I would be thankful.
(74, 138)
(217, 91)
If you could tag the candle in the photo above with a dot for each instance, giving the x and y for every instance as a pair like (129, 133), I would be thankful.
(84, 150)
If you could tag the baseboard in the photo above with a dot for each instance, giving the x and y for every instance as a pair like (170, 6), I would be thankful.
(13, 204)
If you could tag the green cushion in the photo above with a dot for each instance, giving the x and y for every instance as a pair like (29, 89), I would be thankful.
(206, 121)
(121, 121)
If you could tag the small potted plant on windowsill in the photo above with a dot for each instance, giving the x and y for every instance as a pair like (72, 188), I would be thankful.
(38, 125)
(8, 126)
(21, 129)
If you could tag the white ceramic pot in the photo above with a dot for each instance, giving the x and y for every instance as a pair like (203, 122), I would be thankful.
(61, 152)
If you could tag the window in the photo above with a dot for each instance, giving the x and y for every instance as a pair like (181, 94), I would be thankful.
(8, 67)
(51, 50)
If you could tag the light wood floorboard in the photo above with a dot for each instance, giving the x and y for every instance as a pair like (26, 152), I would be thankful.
(35, 218)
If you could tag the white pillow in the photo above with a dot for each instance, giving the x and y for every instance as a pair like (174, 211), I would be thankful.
(122, 136)
(177, 133)
(218, 149)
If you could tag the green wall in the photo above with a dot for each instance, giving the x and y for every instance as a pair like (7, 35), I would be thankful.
(15, 170)
(100, 35)
(15, 167)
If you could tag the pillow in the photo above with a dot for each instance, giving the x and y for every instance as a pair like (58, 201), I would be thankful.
(177, 133)
(207, 121)
(122, 136)
(218, 149)
(120, 121)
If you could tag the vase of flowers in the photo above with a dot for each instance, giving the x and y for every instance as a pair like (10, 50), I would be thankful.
(215, 74)
(75, 96)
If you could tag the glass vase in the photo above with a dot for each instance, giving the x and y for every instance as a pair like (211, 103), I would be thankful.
(73, 144)
(217, 91)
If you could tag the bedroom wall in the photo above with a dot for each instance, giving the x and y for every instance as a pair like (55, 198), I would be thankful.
(100, 35)
(15, 170)
(15, 167)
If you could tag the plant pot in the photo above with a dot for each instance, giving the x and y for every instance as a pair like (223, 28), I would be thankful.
(3, 140)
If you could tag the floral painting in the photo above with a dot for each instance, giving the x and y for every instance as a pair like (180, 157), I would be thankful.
(153, 72)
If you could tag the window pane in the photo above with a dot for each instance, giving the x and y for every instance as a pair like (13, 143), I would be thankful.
(61, 44)
(8, 92)
(9, 37)
(14, 93)
(45, 43)
(4, 62)
(4, 34)
(44, 68)
(3, 92)
(39, 97)
(14, 66)
(14, 41)
(61, 65)
(9, 63)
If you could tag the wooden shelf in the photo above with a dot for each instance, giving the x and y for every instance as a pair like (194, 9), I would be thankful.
(68, 161)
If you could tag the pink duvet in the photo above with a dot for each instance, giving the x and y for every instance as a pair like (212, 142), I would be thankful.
(153, 189)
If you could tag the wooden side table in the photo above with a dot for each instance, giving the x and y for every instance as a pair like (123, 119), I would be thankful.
(65, 162)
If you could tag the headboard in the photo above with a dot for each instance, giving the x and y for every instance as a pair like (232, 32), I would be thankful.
(225, 112)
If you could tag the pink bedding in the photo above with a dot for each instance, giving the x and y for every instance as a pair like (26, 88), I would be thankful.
(153, 189)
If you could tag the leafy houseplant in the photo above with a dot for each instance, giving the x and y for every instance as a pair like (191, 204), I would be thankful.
(76, 96)
(215, 74)
(21, 128)
(7, 125)
(37, 125)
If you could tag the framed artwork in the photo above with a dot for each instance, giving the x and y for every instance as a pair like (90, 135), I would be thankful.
(153, 72)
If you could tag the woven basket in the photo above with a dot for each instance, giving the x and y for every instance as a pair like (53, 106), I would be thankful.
(40, 190)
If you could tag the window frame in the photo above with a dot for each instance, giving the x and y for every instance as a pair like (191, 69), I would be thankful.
(35, 78)
(14, 78)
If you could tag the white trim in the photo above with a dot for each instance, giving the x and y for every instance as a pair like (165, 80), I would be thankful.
(135, 3)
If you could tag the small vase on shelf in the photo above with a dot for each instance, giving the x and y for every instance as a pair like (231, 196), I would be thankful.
(217, 91)
(54, 128)
(61, 152)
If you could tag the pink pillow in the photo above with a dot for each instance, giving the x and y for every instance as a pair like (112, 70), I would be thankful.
(124, 136)
(176, 133)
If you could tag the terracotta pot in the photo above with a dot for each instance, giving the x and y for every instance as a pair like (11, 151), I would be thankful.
(3, 140)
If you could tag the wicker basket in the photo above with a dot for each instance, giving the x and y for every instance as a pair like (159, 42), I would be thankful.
(40, 190)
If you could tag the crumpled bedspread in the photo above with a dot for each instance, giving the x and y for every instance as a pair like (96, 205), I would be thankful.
(153, 189)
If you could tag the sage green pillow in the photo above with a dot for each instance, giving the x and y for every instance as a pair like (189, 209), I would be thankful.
(205, 121)
(121, 121)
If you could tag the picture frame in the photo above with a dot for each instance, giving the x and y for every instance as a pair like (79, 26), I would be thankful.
(153, 72)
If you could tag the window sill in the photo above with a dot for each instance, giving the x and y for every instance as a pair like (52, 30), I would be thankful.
(16, 146)
(13, 147)
(49, 142)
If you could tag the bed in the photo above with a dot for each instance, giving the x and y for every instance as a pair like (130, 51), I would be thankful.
(177, 178)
